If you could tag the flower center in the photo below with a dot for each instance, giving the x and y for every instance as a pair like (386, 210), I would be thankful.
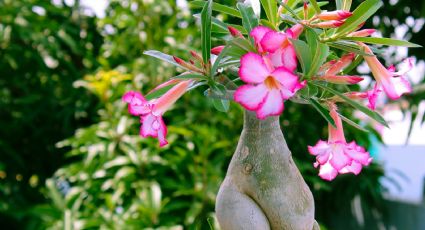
(271, 83)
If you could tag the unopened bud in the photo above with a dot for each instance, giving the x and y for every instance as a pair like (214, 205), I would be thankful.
(328, 24)
(335, 15)
(217, 50)
(362, 33)
(234, 32)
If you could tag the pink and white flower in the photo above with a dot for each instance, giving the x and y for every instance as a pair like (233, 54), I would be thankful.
(276, 45)
(267, 87)
(336, 156)
(151, 112)
(393, 83)
(328, 72)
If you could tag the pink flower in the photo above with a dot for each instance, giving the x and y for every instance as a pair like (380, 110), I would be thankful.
(151, 112)
(393, 83)
(334, 15)
(234, 32)
(276, 45)
(336, 156)
(362, 33)
(267, 87)
(371, 95)
(328, 72)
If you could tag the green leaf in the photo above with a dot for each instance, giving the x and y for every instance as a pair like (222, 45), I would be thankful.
(322, 110)
(346, 5)
(218, 60)
(303, 54)
(243, 44)
(190, 76)
(270, 7)
(372, 114)
(289, 9)
(352, 123)
(360, 15)
(219, 8)
(311, 11)
(319, 50)
(163, 57)
(206, 31)
(343, 4)
(349, 47)
(221, 105)
(383, 41)
(221, 27)
(315, 6)
(159, 92)
(249, 20)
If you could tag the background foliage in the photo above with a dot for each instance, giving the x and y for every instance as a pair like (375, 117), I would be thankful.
(71, 156)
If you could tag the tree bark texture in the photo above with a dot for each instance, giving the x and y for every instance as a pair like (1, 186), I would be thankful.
(263, 188)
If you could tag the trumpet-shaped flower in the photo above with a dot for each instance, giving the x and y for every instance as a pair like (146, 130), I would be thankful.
(336, 156)
(151, 112)
(393, 83)
(371, 95)
(267, 87)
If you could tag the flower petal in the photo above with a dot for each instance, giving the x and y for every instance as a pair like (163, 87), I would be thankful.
(327, 172)
(288, 79)
(274, 40)
(357, 153)
(289, 58)
(148, 122)
(339, 160)
(250, 96)
(354, 168)
(137, 104)
(272, 105)
(395, 87)
(258, 33)
(320, 148)
(253, 69)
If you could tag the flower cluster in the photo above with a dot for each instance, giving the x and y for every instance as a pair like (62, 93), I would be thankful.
(269, 73)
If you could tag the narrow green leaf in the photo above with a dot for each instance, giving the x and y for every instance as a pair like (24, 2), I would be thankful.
(322, 111)
(221, 104)
(218, 60)
(346, 5)
(243, 44)
(372, 114)
(349, 47)
(319, 58)
(315, 6)
(190, 76)
(206, 31)
(383, 41)
(159, 92)
(219, 8)
(289, 9)
(270, 7)
(360, 15)
(352, 123)
(249, 20)
(339, 4)
(221, 27)
(311, 11)
(303, 54)
(163, 57)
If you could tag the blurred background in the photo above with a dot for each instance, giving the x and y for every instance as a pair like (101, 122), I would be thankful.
(71, 157)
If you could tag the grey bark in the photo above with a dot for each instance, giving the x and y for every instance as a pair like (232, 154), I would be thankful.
(263, 188)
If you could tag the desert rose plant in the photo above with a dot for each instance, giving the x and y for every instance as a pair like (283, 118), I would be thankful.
(295, 51)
